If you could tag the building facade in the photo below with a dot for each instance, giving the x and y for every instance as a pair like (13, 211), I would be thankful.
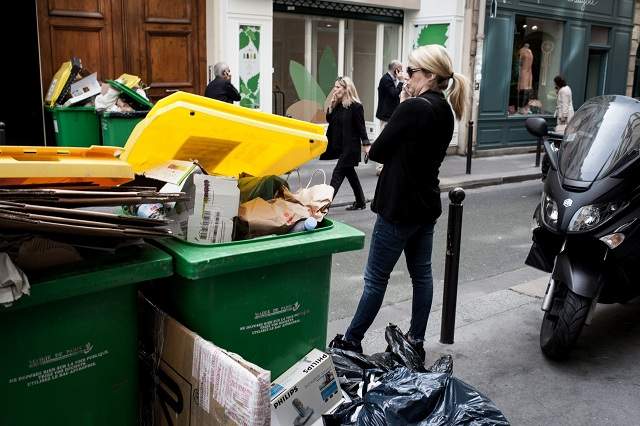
(302, 46)
(528, 42)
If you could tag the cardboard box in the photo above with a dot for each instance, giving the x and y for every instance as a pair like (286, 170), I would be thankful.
(305, 391)
(190, 381)
(214, 200)
(84, 89)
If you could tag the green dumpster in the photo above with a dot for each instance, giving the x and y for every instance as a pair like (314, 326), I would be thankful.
(116, 127)
(266, 299)
(69, 351)
(75, 126)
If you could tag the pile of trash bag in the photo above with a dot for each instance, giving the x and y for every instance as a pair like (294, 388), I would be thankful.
(395, 388)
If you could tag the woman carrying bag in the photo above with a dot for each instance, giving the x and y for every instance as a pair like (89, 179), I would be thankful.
(346, 135)
(407, 199)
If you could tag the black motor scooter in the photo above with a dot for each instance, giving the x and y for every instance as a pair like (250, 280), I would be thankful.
(586, 228)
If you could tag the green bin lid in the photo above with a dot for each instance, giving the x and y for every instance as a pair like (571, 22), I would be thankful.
(194, 261)
(104, 272)
(131, 94)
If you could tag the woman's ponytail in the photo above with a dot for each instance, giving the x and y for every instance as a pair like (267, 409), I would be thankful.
(458, 94)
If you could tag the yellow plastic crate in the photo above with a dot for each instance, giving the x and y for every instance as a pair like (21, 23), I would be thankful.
(27, 165)
(225, 139)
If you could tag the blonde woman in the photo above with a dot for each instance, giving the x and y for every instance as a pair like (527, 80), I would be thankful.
(407, 199)
(346, 134)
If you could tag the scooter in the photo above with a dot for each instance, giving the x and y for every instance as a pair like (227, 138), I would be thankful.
(586, 230)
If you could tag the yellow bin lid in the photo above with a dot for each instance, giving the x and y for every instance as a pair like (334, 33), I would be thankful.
(28, 165)
(225, 139)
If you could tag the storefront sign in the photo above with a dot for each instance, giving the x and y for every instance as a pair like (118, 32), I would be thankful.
(249, 66)
(584, 3)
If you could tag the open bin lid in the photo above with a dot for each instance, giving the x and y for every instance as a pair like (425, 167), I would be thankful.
(26, 165)
(225, 139)
(140, 102)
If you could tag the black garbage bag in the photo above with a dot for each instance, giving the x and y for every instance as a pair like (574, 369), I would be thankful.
(402, 349)
(444, 364)
(426, 399)
(344, 415)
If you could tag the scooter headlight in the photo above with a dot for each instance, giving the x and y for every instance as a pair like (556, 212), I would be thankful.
(550, 210)
(590, 216)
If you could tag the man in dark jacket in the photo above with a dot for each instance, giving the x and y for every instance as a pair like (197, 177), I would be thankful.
(389, 90)
(220, 88)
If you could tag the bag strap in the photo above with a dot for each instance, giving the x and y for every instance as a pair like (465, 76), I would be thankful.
(299, 178)
(324, 176)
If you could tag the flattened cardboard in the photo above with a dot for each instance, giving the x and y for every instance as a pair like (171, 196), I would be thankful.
(196, 382)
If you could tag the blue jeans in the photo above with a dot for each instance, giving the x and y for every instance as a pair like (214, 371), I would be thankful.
(387, 243)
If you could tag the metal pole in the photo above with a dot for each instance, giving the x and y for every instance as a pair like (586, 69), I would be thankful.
(450, 294)
(538, 151)
(469, 146)
(3, 136)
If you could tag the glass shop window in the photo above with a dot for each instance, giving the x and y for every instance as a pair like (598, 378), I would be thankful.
(537, 47)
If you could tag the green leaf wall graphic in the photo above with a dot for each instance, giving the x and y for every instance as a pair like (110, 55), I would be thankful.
(433, 34)
(327, 70)
(306, 86)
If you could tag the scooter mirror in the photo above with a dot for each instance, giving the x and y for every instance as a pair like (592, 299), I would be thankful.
(537, 126)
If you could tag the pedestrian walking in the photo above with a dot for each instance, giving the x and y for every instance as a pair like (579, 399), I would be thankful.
(346, 135)
(220, 87)
(407, 199)
(564, 104)
(389, 89)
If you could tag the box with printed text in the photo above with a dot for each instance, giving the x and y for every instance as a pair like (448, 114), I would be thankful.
(305, 391)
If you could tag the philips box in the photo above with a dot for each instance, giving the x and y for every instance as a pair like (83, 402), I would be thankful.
(306, 391)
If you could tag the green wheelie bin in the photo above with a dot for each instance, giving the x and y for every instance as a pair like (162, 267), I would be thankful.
(115, 127)
(69, 352)
(266, 299)
(75, 126)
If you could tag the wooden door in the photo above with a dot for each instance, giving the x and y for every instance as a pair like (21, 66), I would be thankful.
(166, 45)
(162, 41)
(88, 29)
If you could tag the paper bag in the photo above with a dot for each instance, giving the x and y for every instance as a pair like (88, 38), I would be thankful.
(316, 198)
(259, 217)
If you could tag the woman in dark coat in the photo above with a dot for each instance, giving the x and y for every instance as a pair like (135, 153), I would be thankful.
(407, 199)
(346, 134)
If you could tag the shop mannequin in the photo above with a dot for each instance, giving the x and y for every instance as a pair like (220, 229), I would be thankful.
(525, 77)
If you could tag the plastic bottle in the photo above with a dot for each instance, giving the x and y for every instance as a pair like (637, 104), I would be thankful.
(308, 224)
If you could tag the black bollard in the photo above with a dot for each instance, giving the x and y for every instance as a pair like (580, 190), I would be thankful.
(469, 147)
(450, 294)
(3, 136)
(538, 151)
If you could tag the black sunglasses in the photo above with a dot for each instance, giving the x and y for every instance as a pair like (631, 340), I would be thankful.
(412, 71)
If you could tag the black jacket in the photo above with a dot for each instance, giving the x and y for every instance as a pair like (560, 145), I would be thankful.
(222, 90)
(388, 97)
(346, 133)
(411, 147)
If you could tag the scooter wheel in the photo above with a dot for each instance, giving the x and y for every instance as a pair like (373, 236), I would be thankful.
(562, 325)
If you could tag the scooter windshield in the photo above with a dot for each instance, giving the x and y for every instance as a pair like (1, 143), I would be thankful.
(602, 136)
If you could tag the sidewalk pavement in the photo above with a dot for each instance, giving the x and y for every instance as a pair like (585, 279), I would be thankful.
(485, 171)
(496, 350)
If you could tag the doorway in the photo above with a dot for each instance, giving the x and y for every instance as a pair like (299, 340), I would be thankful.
(596, 73)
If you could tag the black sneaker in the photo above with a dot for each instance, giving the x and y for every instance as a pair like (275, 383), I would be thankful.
(417, 346)
(339, 342)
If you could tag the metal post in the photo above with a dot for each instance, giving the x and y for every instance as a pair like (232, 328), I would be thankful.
(3, 136)
(538, 151)
(469, 146)
(450, 294)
